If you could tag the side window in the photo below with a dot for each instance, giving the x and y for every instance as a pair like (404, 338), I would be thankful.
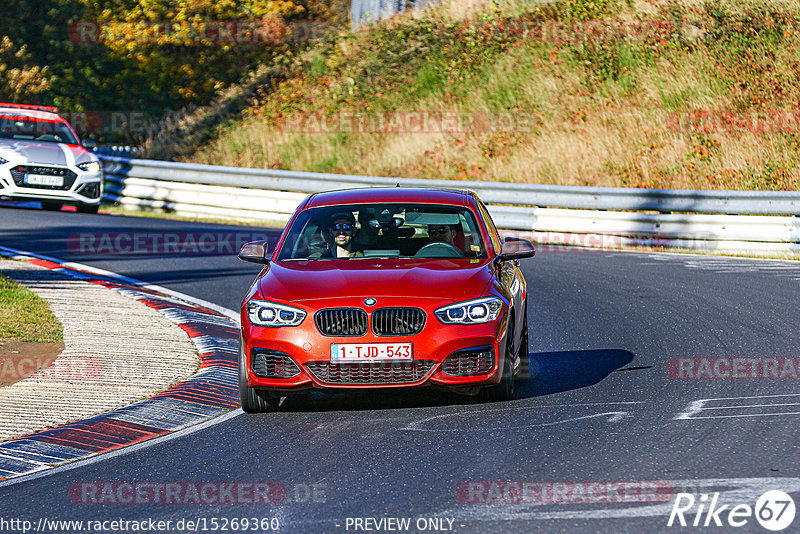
(497, 243)
(468, 238)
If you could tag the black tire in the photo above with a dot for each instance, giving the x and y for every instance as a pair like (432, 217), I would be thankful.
(504, 390)
(88, 208)
(525, 359)
(253, 400)
(51, 206)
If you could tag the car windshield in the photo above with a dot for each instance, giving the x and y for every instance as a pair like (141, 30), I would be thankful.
(360, 231)
(35, 129)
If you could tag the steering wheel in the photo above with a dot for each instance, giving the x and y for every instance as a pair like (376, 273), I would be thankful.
(439, 249)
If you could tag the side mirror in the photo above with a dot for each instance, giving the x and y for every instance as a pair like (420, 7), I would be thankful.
(515, 248)
(89, 144)
(254, 252)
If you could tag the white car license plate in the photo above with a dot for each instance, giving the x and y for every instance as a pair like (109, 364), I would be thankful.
(371, 352)
(43, 179)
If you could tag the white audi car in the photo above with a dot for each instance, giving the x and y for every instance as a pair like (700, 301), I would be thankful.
(42, 158)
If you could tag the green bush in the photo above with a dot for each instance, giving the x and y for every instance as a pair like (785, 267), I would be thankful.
(44, 60)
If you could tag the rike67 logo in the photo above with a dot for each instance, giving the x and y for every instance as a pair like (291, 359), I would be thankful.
(774, 510)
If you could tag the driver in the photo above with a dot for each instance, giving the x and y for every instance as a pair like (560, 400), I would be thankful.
(341, 228)
(441, 233)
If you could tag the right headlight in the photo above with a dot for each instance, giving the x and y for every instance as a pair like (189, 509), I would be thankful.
(483, 310)
(90, 166)
(265, 313)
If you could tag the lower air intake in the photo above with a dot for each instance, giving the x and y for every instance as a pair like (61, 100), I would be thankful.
(90, 190)
(273, 364)
(470, 362)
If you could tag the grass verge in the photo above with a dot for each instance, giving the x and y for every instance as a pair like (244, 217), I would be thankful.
(25, 317)
(155, 214)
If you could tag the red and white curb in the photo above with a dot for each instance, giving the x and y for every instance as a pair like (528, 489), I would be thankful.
(208, 394)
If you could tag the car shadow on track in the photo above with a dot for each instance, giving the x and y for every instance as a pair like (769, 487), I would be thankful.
(550, 372)
(377, 399)
(554, 372)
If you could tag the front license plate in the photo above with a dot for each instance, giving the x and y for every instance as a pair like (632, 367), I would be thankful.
(43, 179)
(371, 352)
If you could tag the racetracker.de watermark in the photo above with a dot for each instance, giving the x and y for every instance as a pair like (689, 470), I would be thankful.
(200, 493)
(564, 32)
(96, 122)
(734, 368)
(408, 122)
(162, 243)
(17, 367)
(197, 523)
(762, 122)
(586, 492)
(564, 242)
(227, 32)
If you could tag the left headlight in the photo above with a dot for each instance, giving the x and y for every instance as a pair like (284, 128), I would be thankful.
(90, 166)
(265, 313)
(484, 310)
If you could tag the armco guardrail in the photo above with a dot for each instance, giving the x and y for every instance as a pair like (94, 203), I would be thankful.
(270, 196)
(601, 198)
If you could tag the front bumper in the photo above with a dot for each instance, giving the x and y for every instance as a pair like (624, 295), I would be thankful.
(79, 187)
(311, 352)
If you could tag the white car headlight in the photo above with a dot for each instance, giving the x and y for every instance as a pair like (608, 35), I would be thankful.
(90, 166)
(264, 313)
(483, 310)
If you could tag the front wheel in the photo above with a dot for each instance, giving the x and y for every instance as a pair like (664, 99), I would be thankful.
(253, 400)
(504, 390)
(525, 357)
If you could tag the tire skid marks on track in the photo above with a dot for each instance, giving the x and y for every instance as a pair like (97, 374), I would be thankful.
(781, 268)
(207, 394)
(424, 425)
(756, 406)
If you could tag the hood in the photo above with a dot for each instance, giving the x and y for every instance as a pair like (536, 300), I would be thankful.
(43, 153)
(423, 278)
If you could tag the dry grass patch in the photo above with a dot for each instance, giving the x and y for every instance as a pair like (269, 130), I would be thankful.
(622, 108)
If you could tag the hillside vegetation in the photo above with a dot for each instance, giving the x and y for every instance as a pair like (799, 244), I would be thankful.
(140, 60)
(663, 94)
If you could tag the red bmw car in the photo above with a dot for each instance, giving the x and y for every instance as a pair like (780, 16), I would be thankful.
(384, 287)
